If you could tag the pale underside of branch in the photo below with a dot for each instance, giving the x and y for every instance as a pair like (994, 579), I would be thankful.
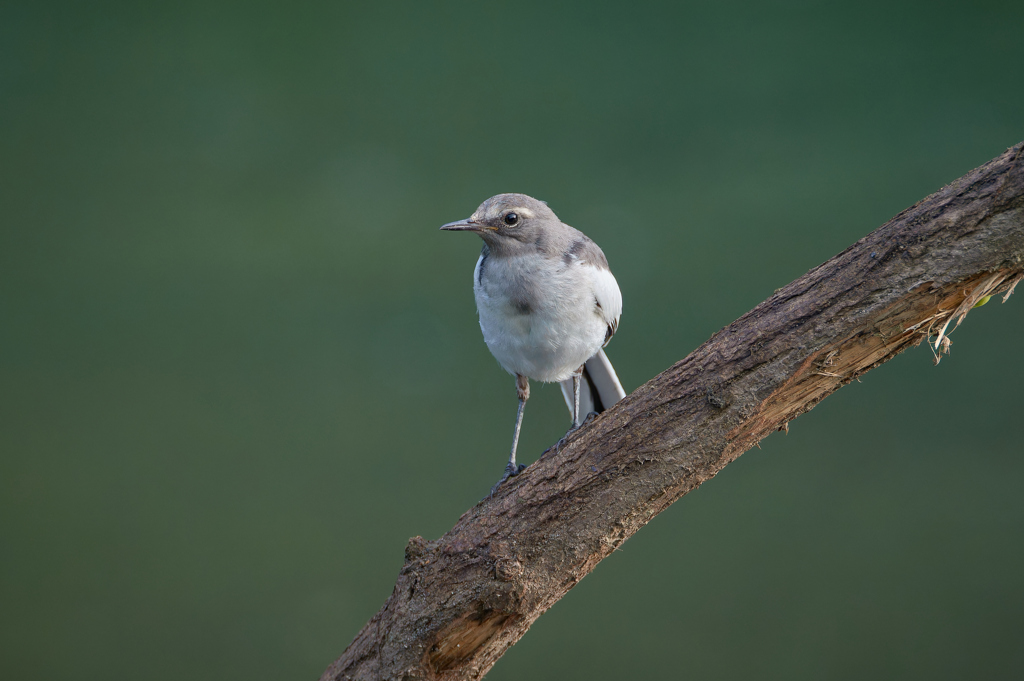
(460, 602)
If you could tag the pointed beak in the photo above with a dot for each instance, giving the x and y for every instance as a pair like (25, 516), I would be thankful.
(466, 225)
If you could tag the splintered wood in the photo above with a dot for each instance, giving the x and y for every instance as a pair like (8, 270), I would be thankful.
(905, 324)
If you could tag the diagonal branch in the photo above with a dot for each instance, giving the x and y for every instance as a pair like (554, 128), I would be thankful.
(460, 602)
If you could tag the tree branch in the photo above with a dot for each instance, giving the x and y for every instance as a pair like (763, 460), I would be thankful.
(460, 602)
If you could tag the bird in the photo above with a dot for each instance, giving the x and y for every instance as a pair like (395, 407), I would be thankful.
(548, 305)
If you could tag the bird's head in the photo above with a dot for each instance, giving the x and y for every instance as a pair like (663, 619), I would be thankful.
(507, 220)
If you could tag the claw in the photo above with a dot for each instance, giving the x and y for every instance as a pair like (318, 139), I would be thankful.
(572, 429)
(565, 438)
(511, 470)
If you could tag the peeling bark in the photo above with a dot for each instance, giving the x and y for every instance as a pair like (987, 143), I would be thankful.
(460, 602)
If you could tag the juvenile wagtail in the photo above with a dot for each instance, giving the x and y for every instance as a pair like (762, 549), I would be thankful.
(548, 304)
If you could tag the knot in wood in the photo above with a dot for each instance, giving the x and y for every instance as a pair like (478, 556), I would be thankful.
(715, 397)
(507, 569)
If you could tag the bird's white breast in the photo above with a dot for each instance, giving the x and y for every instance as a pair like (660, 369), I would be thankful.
(540, 316)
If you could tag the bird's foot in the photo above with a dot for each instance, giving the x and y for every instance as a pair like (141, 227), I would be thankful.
(573, 429)
(511, 470)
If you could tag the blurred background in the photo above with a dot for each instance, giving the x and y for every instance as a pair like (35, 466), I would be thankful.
(240, 365)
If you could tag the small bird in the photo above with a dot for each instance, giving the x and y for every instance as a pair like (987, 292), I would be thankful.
(548, 304)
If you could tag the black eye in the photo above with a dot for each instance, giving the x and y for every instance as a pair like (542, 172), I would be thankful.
(511, 218)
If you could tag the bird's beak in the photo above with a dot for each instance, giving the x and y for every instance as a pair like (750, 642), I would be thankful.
(466, 225)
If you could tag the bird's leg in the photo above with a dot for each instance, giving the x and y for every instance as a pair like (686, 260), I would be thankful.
(523, 392)
(577, 379)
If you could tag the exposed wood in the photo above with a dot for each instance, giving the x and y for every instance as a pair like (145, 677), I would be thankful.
(460, 602)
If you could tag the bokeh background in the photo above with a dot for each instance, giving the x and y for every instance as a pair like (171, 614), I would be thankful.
(240, 366)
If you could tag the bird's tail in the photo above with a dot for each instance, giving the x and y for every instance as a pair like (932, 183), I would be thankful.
(599, 389)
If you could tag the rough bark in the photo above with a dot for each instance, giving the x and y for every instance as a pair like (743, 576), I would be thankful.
(460, 602)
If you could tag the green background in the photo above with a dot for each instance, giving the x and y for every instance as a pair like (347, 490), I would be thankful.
(240, 366)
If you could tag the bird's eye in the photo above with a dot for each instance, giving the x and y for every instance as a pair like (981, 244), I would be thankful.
(511, 219)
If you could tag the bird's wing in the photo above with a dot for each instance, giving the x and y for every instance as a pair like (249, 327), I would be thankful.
(600, 387)
(607, 298)
(587, 255)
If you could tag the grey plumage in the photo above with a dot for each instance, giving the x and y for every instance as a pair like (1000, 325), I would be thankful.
(547, 301)
(585, 250)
